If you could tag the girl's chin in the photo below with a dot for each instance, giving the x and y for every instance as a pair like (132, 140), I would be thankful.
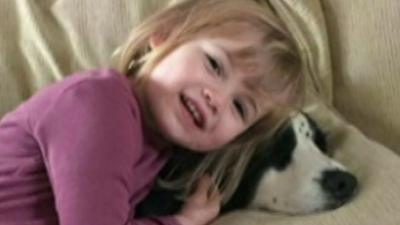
(193, 146)
(202, 147)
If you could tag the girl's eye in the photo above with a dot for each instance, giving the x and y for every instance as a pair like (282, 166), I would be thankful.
(214, 65)
(240, 108)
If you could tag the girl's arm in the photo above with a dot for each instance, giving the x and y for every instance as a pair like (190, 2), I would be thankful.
(90, 149)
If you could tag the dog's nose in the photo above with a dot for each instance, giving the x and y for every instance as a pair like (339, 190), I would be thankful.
(340, 185)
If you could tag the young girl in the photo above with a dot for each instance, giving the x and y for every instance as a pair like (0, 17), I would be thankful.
(209, 76)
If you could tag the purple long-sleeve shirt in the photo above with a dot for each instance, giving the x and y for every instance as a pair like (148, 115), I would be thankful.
(75, 154)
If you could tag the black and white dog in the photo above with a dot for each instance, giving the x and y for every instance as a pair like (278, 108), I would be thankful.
(294, 175)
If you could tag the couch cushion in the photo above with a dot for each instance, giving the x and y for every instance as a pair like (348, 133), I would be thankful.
(364, 37)
(43, 41)
(376, 167)
(306, 22)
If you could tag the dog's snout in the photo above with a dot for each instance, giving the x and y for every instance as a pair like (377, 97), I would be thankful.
(340, 185)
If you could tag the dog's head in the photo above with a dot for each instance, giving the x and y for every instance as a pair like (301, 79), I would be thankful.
(294, 174)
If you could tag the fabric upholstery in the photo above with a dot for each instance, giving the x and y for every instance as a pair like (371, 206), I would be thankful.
(364, 37)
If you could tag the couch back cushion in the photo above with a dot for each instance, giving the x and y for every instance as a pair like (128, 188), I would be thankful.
(365, 46)
(43, 41)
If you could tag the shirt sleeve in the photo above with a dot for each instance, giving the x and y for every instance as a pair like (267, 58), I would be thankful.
(89, 137)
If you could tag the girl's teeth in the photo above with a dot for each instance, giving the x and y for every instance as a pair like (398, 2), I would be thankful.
(193, 110)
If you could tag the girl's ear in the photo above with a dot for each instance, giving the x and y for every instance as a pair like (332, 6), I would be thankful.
(157, 39)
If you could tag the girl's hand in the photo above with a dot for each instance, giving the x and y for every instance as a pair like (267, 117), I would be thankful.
(201, 207)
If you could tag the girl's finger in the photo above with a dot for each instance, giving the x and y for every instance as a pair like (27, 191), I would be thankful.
(201, 192)
(215, 196)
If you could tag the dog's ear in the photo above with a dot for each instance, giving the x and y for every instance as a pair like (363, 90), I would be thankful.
(179, 163)
(159, 202)
(169, 198)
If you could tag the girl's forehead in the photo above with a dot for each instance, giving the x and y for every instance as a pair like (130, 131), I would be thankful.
(250, 57)
(232, 32)
(238, 32)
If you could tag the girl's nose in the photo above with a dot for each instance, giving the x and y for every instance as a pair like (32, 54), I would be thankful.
(213, 100)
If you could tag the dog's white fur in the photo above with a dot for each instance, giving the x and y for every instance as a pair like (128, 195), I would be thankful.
(296, 189)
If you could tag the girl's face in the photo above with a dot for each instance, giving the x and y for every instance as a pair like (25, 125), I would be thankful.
(199, 99)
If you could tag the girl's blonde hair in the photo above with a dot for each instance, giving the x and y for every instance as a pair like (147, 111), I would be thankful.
(189, 19)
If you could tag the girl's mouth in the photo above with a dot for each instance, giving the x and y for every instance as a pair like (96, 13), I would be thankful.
(193, 110)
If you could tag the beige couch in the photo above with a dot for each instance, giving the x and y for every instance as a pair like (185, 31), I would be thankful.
(350, 47)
